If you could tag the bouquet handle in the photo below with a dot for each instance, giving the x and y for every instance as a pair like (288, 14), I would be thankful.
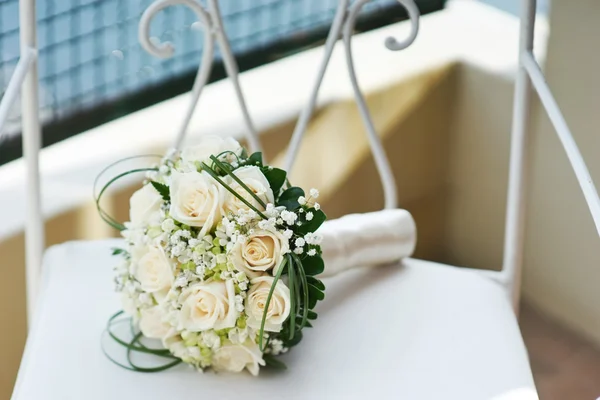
(368, 239)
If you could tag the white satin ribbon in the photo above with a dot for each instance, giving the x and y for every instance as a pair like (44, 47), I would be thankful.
(367, 239)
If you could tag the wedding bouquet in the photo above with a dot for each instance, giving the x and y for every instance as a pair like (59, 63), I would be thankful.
(220, 260)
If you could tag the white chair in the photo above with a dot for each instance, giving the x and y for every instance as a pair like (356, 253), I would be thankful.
(418, 330)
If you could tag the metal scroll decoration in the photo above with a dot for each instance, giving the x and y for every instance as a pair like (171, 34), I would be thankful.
(212, 25)
(343, 25)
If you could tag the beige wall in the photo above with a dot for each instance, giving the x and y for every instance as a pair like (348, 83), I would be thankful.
(563, 248)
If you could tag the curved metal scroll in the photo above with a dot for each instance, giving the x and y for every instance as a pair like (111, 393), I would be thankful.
(344, 22)
(212, 26)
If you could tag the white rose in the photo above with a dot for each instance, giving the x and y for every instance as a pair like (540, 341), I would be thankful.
(152, 323)
(154, 272)
(260, 252)
(173, 341)
(209, 305)
(256, 181)
(210, 146)
(279, 306)
(128, 304)
(196, 200)
(144, 206)
(236, 357)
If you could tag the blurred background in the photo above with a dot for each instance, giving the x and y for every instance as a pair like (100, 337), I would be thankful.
(443, 108)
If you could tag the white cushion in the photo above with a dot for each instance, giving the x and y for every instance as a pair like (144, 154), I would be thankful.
(414, 331)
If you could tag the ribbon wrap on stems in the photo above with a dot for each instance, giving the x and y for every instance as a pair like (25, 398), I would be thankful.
(369, 239)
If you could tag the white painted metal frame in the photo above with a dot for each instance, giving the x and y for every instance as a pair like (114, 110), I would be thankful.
(344, 23)
(529, 74)
(25, 80)
(212, 24)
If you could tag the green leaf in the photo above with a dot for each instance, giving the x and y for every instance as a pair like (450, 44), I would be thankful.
(312, 301)
(313, 265)
(291, 343)
(316, 293)
(255, 159)
(276, 178)
(162, 189)
(306, 324)
(315, 282)
(273, 362)
(289, 198)
(311, 226)
(116, 251)
(312, 315)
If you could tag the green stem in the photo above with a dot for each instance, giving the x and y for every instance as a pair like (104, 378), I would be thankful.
(239, 181)
(212, 173)
(292, 284)
(261, 333)
(142, 349)
(229, 152)
(143, 369)
(131, 347)
(304, 281)
(103, 214)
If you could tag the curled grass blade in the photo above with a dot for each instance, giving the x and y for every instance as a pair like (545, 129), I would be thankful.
(229, 152)
(292, 285)
(304, 281)
(137, 346)
(216, 177)
(152, 369)
(103, 214)
(142, 349)
(261, 333)
(238, 180)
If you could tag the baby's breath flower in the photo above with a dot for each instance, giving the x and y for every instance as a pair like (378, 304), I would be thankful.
(181, 281)
(302, 200)
(289, 217)
(309, 216)
(314, 193)
(299, 250)
(312, 238)
(317, 206)
(299, 242)
(270, 210)
(211, 339)
(288, 233)
(312, 252)
(239, 303)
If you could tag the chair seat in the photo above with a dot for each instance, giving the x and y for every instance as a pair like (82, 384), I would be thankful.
(418, 330)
